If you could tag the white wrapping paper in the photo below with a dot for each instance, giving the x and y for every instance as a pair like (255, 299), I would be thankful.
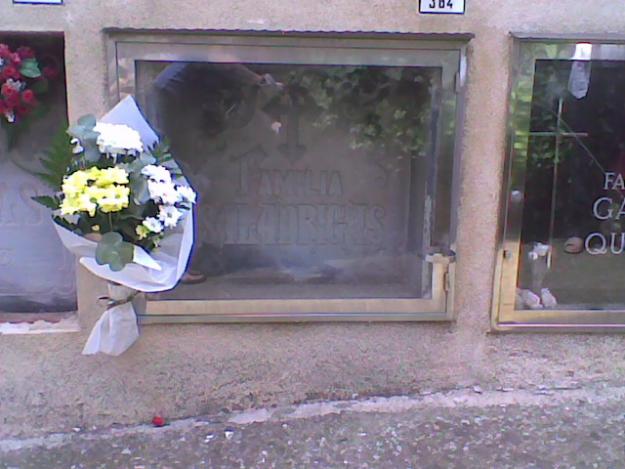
(117, 330)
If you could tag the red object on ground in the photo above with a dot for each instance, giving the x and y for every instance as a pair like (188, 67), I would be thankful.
(158, 421)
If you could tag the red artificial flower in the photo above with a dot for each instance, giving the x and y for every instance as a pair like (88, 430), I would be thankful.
(7, 109)
(15, 59)
(7, 90)
(26, 52)
(21, 111)
(4, 51)
(3, 108)
(28, 97)
(11, 72)
(13, 100)
(50, 72)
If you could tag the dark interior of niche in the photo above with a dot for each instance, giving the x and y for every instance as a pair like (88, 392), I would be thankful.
(49, 48)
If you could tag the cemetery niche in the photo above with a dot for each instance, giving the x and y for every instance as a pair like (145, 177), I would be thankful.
(36, 273)
(564, 236)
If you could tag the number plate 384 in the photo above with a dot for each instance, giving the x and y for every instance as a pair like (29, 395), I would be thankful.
(454, 7)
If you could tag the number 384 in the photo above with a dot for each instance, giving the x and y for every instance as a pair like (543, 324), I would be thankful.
(441, 4)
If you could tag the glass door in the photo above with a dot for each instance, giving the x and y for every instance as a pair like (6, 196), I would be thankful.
(324, 170)
(562, 258)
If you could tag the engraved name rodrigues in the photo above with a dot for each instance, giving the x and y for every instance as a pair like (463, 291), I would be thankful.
(304, 206)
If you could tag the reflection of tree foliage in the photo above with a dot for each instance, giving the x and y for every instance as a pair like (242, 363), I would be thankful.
(533, 99)
(550, 87)
(386, 108)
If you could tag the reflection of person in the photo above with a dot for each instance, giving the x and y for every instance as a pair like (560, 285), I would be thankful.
(194, 104)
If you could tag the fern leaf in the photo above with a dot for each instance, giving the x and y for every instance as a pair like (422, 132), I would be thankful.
(57, 161)
(47, 201)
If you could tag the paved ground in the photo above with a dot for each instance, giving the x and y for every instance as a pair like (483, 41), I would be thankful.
(540, 428)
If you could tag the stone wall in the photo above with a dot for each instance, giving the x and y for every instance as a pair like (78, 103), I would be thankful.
(46, 385)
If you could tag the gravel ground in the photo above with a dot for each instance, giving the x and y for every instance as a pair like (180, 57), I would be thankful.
(461, 429)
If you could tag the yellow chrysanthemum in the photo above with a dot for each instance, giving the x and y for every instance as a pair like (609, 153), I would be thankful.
(75, 183)
(115, 200)
(69, 206)
(86, 204)
(142, 231)
(94, 193)
(110, 176)
(92, 173)
(88, 190)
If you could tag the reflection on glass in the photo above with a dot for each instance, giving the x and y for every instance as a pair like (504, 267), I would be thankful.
(573, 237)
(37, 273)
(313, 179)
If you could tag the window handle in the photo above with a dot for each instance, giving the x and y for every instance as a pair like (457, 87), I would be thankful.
(441, 258)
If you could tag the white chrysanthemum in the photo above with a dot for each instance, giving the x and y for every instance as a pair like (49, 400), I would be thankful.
(170, 196)
(118, 139)
(186, 193)
(156, 173)
(155, 189)
(10, 116)
(153, 224)
(169, 215)
(77, 147)
(163, 191)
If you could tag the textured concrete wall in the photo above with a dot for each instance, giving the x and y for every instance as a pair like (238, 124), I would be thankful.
(45, 384)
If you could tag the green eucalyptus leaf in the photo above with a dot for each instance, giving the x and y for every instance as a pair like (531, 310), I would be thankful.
(113, 251)
(75, 131)
(30, 68)
(88, 121)
(82, 133)
(139, 189)
(135, 166)
(90, 135)
(116, 265)
(112, 238)
(146, 158)
(92, 153)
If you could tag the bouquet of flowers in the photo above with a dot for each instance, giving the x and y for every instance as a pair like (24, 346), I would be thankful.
(22, 81)
(123, 206)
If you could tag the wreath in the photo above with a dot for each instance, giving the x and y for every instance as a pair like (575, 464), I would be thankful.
(23, 80)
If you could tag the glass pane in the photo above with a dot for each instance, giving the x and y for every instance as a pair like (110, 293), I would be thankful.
(36, 271)
(312, 179)
(574, 214)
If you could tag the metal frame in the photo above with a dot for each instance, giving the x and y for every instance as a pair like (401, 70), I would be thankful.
(124, 48)
(527, 49)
